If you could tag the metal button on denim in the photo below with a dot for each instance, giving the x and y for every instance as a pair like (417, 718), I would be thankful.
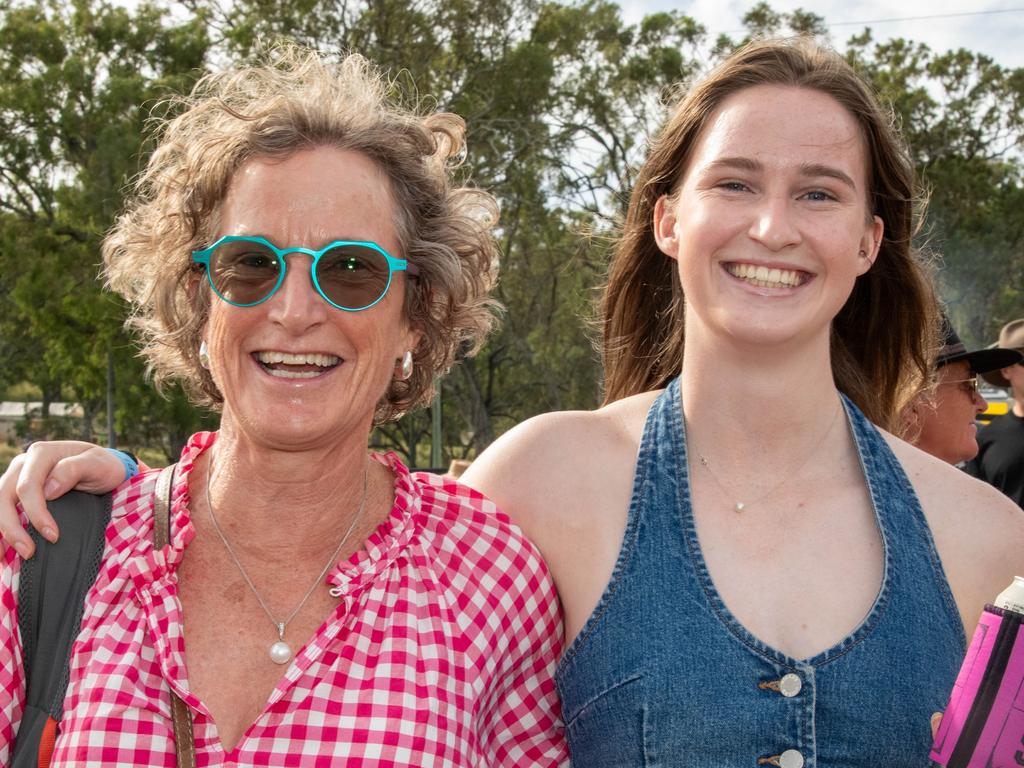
(791, 758)
(790, 685)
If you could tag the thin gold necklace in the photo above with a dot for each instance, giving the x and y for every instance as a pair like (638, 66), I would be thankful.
(281, 652)
(738, 506)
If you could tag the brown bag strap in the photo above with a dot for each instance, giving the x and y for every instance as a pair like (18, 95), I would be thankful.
(180, 713)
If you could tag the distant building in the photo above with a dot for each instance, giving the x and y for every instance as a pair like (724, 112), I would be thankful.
(12, 413)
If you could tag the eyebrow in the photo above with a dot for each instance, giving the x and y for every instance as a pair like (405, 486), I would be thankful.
(806, 169)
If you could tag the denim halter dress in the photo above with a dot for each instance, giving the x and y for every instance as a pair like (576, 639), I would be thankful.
(662, 674)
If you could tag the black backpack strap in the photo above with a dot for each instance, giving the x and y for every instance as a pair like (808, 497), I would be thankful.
(51, 599)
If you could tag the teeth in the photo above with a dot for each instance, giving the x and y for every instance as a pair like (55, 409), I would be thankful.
(292, 374)
(323, 361)
(763, 277)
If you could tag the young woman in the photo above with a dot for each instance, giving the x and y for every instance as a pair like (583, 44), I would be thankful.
(751, 571)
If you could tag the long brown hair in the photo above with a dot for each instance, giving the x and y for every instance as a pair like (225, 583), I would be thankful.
(885, 334)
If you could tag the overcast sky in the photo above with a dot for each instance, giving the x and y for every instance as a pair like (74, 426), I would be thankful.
(998, 30)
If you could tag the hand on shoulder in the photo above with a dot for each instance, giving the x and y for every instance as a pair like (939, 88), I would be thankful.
(48, 470)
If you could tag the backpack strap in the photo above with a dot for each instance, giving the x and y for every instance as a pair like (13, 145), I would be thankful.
(181, 715)
(51, 599)
(52, 589)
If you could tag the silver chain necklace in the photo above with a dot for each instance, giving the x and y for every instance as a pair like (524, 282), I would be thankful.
(739, 506)
(281, 652)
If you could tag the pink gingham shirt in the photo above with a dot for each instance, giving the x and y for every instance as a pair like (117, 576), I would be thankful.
(441, 652)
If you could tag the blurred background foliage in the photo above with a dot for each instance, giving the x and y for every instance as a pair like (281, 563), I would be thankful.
(560, 99)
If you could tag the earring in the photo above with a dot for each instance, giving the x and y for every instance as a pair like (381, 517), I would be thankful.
(405, 366)
(204, 355)
(863, 254)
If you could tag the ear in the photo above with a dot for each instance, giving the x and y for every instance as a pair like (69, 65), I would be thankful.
(665, 222)
(870, 243)
(410, 341)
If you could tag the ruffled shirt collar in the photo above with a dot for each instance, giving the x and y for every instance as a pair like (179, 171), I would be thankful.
(381, 548)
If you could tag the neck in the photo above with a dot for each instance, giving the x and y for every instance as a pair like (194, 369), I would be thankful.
(289, 500)
(1018, 405)
(758, 407)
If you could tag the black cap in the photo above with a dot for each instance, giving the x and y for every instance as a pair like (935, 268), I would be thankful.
(981, 360)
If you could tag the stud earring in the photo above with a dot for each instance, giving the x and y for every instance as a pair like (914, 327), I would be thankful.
(863, 254)
(405, 366)
(204, 355)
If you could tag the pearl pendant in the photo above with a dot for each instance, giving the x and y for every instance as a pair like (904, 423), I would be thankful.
(280, 652)
(739, 506)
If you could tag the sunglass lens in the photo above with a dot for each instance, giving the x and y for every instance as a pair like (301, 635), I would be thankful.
(244, 272)
(353, 276)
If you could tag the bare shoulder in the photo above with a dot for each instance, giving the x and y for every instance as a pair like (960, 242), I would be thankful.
(979, 532)
(566, 480)
(556, 457)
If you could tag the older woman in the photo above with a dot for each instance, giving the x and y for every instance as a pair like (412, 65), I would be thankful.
(752, 572)
(298, 259)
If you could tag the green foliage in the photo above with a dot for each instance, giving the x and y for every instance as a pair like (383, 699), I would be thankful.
(560, 99)
(7, 454)
(74, 82)
(963, 117)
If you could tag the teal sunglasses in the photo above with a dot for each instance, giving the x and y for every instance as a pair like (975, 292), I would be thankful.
(350, 274)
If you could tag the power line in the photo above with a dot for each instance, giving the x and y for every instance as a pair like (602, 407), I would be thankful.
(906, 18)
(924, 18)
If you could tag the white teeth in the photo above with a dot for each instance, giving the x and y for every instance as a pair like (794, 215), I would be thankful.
(763, 277)
(292, 374)
(323, 361)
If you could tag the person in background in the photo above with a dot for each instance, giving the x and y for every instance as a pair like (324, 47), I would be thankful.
(299, 257)
(942, 422)
(1000, 459)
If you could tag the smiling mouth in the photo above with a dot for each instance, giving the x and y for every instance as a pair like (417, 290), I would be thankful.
(765, 277)
(296, 366)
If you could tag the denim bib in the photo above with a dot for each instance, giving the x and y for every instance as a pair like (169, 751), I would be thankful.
(662, 674)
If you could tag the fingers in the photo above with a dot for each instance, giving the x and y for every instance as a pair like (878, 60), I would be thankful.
(936, 720)
(45, 471)
(94, 470)
(10, 524)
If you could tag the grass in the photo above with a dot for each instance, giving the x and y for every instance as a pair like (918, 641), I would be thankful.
(7, 453)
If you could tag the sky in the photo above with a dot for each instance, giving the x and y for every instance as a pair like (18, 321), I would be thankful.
(995, 28)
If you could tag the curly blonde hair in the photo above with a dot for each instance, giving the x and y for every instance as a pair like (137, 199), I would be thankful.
(298, 100)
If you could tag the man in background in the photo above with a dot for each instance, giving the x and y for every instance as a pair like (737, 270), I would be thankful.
(943, 423)
(1000, 458)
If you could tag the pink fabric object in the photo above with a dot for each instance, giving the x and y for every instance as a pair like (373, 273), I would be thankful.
(441, 652)
(964, 739)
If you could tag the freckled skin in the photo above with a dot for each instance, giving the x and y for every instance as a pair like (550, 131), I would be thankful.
(235, 592)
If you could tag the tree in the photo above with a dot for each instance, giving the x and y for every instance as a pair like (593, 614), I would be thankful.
(75, 81)
(963, 117)
(560, 99)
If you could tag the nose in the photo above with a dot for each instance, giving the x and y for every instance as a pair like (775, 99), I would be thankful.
(296, 305)
(980, 403)
(774, 225)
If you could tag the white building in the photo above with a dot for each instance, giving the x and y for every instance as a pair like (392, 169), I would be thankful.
(12, 412)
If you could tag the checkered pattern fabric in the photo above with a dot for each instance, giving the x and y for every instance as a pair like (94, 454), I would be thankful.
(442, 651)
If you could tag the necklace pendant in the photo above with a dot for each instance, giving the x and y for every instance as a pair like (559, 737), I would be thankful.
(280, 652)
(739, 506)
